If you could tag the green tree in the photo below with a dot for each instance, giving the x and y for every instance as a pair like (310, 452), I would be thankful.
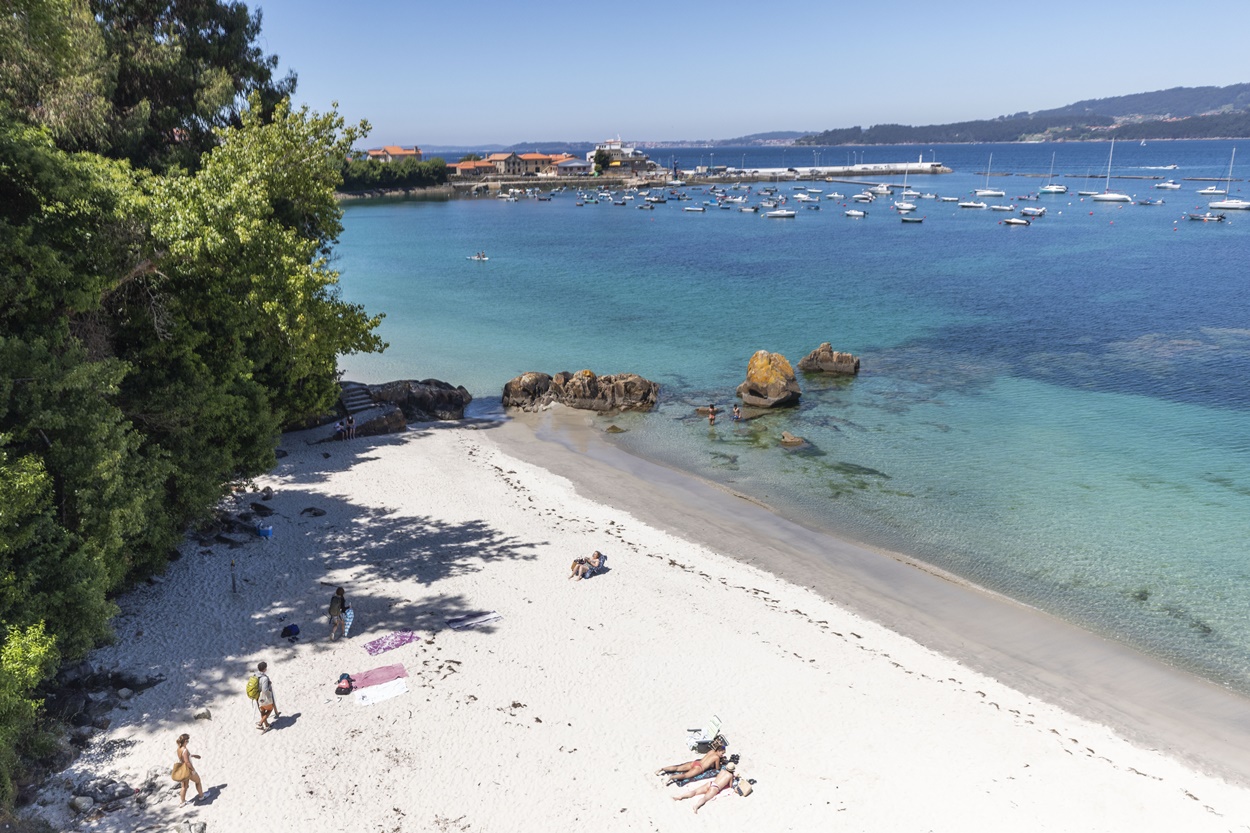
(183, 69)
(602, 160)
(471, 157)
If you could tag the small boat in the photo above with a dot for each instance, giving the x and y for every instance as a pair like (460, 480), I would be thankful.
(834, 196)
(618, 202)
(1212, 191)
(1170, 185)
(1150, 202)
(1207, 218)
(882, 190)
(478, 258)
(971, 204)
(546, 198)
(856, 213)
(948, 199)
(781, 214)
(1016, 221)
(750, 209)
(905, 206)
(1107, 194)
(864, 197)
(813, 206)
(695, 208)
(987, 191)
(647, 206)
(927, 196)
(913, 219)
(1051, 187)
(1001, 208)
(1032, 211)
(1086, 193)
(1232, 202)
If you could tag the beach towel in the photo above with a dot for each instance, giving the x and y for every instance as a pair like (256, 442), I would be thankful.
(348, 616)
(390, 642)
(377, 676)
(462, 622)
(385, 691)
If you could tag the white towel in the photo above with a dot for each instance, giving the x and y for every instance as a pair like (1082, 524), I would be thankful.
(377, 693)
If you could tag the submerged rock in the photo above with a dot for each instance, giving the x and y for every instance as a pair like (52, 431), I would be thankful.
(824, 359)
(789, 439)
(584, 390)
(770, 381)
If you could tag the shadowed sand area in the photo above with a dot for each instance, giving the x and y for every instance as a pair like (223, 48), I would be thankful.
(861, 692)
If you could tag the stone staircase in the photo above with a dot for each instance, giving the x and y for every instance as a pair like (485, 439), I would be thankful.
(355, 397)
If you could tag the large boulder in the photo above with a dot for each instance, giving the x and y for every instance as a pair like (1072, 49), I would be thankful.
(388, 419)
(424, 401)
(824, 359)
(583, 390)
(770, 381)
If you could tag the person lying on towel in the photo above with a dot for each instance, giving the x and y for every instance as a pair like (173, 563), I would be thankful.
(727, 778)
(714, 759)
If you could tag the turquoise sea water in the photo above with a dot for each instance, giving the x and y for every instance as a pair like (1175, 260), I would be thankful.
(1058, 412)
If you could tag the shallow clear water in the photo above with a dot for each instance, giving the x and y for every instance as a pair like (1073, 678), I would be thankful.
(1057, 412)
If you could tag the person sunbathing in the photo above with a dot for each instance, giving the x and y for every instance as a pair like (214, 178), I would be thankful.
(727, 778)
(587, 567)
(680, 772)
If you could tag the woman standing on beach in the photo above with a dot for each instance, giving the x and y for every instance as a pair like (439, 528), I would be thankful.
(184, 759)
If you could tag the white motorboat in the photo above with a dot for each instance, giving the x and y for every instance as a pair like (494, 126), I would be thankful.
(835, 196)
(1001, 208)
(972, 204)
(948, 199)
(1108, 195)
(781, 214)
(750, 209)
(1170, 185)
(1033, 211)
(863, 198)
(881, 190)
(855, 212)
(1016, 221)
(694, 208)
(1212, 191)
(928, 196)
(987, 191)
(902, 205)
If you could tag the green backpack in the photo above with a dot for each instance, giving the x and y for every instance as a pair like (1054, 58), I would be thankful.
(253, 687)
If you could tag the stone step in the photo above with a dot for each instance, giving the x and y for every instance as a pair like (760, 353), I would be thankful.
(355, 397)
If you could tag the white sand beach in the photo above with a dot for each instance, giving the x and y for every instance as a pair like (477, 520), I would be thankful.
(556, 715)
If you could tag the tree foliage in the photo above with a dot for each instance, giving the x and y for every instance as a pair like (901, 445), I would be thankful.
(158, 326)
(372, 174)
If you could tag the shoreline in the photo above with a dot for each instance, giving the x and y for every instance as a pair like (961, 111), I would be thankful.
(1032, 651)
(556, 714)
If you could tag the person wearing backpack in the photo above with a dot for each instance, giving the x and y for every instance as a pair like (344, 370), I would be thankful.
(338, 612)
(264, 697)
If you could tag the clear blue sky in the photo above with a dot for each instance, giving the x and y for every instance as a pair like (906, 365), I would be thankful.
(500, 72)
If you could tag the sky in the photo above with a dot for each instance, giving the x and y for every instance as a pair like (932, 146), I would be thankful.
(508, 71)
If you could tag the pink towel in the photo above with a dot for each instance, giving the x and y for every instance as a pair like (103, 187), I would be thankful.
(377, 676)
(390, 641)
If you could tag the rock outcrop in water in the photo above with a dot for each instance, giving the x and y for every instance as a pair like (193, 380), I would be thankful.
(824, 359)
(424, 401)
(770, 381)
(583, 390)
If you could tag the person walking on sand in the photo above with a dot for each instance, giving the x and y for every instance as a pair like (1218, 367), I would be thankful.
(338, 614)
(184, 757)
(267, 705)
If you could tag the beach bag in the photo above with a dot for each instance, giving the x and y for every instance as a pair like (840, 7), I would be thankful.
(253, 687)
(181, 771)
(287, 632)
(344, 685)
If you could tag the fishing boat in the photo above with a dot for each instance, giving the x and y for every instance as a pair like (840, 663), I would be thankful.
(913, 219)
(987, 191)
(855, 213)
(1016, 221)
(1170, 185)
(1233, 202)
(781, 214)
(1051, 187)
(972, 204)
(1207, 218)
(1107, 194)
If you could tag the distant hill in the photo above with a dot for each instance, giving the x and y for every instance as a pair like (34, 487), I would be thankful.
(1178, 113)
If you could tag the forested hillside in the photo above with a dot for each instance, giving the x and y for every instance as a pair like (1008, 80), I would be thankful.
(165, 303)
(1178, 113)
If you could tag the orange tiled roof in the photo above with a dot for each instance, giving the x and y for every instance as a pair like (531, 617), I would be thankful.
(535, 156)
(497, 157)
